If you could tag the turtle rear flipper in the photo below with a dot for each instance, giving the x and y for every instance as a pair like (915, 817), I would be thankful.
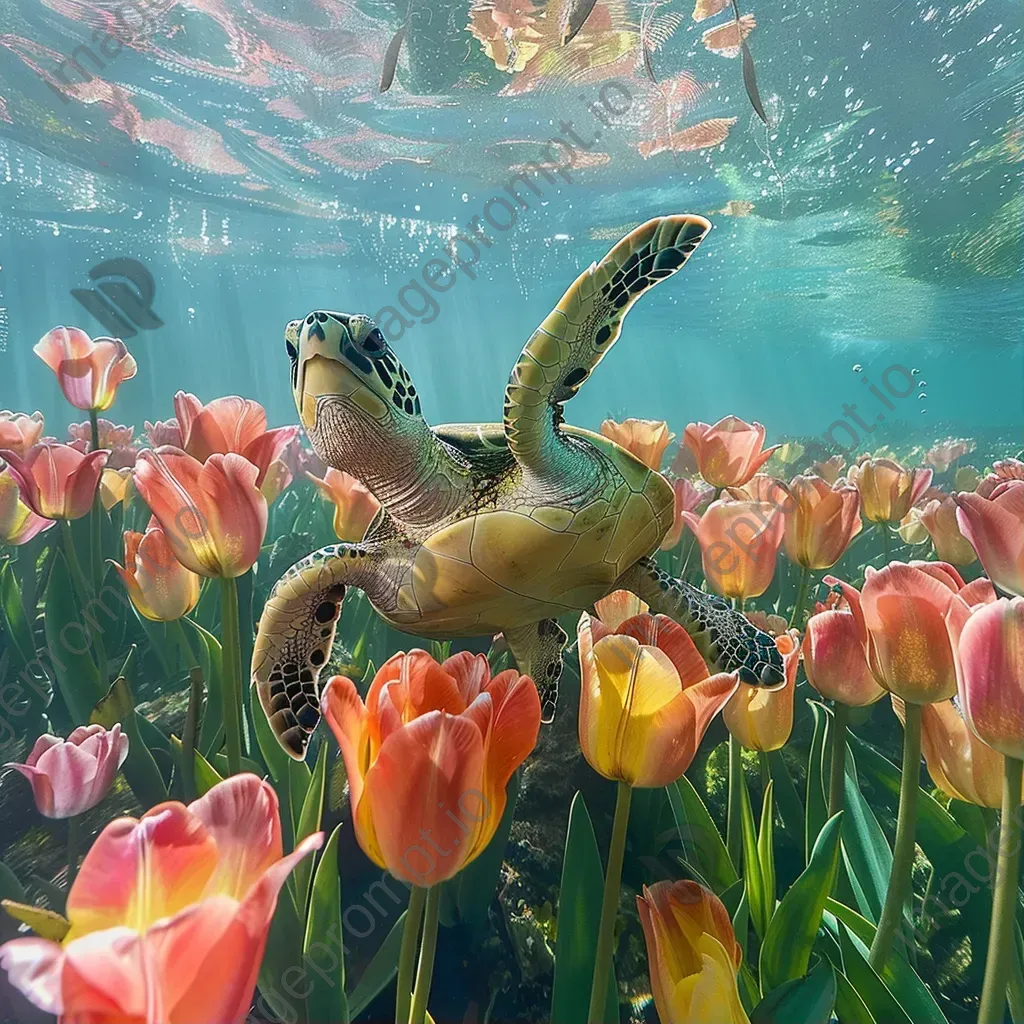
(727, 640)
(576, 334)
(295, 636)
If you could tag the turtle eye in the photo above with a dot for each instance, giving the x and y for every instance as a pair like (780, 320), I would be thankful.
(373, 343)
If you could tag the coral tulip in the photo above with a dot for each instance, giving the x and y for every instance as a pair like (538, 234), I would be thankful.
(89, 372)
(614, 608)
(761, 718)
(18, 523)
(739, 541)
(995, 528)
(118, 439)
(354, 505)
(230, 424)
(821, 521)
(762, 487)
(887, 490)
(835, 661)
(71, 776)
(831, 469)
(1005, 469)
(900, 616)
(943, 454)
(56, 481)
(938, 517)
(158, 902)
(212, 513)
(646, 439)
(687, 499)
(960, 765)
(692, 954)
(19, 432)
(730, 452)
(646, 699)
(159, 586)
(428, 758)
(164, 432)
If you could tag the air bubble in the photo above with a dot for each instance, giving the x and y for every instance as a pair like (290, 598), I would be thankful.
(921, 396)
(915, 372)
(857, 367)
(923, 384)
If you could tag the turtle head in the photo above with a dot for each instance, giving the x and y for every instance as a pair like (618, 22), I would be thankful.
(344, 376)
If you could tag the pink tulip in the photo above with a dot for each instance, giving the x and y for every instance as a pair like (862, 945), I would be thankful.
(164, 432)
(688, 499)
(834, 659)
(230, 424)
(728, 453)
(354, 505)
(212, 513)
(89, 372)
(1006, 469)
(169, 915)
(56, 481)
(71, 776)
(995, 528)
(18, 523)
(19, 432)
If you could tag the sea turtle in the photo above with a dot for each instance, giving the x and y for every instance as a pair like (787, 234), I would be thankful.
(493, 526)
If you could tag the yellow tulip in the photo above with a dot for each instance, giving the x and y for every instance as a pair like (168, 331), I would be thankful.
(761, 718)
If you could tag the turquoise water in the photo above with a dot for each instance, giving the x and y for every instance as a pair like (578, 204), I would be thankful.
(244, 155)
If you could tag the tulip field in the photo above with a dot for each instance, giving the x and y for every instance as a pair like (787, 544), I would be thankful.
(678, 844)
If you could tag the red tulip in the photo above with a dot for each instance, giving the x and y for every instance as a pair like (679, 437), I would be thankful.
(900, 616)
(354, 505)
(212, 513)
(169, 915)
(71, 776)
(159, 586)
(821, 521)
(988, 641)
(646, 439)
(428, 758)
(835, 661)
(227, 425)
(995, 528)
(887, 490)
(739, 541)
(18, 523)
(89, 372)
(729, 453)
(56, 481)
(19, 432)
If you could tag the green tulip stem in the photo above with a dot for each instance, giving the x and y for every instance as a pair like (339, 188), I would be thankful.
(232, 683)
(428, 948)
(903, 851)
(407, 955)
(609, 906)
(83, 592)
(96, 516)
(191, 731)
(734, 813)
(1004, 903)
(885, 543)
(797, 616)
(837, 756)
(72, 850)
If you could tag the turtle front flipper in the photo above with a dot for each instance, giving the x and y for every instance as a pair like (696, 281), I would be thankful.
(577, 333)
(727, 640)
(295, 636)
(537, 649)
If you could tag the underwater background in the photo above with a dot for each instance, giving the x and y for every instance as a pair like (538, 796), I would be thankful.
(191, 175)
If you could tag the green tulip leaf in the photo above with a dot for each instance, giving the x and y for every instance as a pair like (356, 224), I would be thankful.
(786, 951)
(13, 618)
(309, 822)
(808, 1000)
(323, 949)
(10, 887)
(761, 902)
(874, 994)
(700, 839)
(211, 662)
(787, 800)
(206, 776)
(579, 916)
(380, 971)
(850, 1008)
(282, 957)
(816, 804)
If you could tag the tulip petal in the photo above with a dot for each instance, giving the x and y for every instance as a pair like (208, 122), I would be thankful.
(226, 425)
(514, 728)
(34, 967)
(471, 673)
(668, 636)
(343, 708)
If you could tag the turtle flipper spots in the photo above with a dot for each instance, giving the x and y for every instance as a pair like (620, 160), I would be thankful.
(727, 640)
(538, 649)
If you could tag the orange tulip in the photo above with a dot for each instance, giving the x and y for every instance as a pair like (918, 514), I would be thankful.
(160, 587)
(428, 758)
(900, 616)
(887, 490)
(646, 439)
(619, 605)
(88, 372)
(960, 765)
(692, 954)
(56, 481)
(646, 699)
(156, 903)
(739, 541)
(19, 432)
(821, 521)
(762, 487)
(354, 505)
(227, 425)
(938, 517)
(994, 526)
(831, 469)
(988, 641)
(212, 514)
(18, 523)
(730, 452)
(687, 499)
(761, 718)
(834, 659)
